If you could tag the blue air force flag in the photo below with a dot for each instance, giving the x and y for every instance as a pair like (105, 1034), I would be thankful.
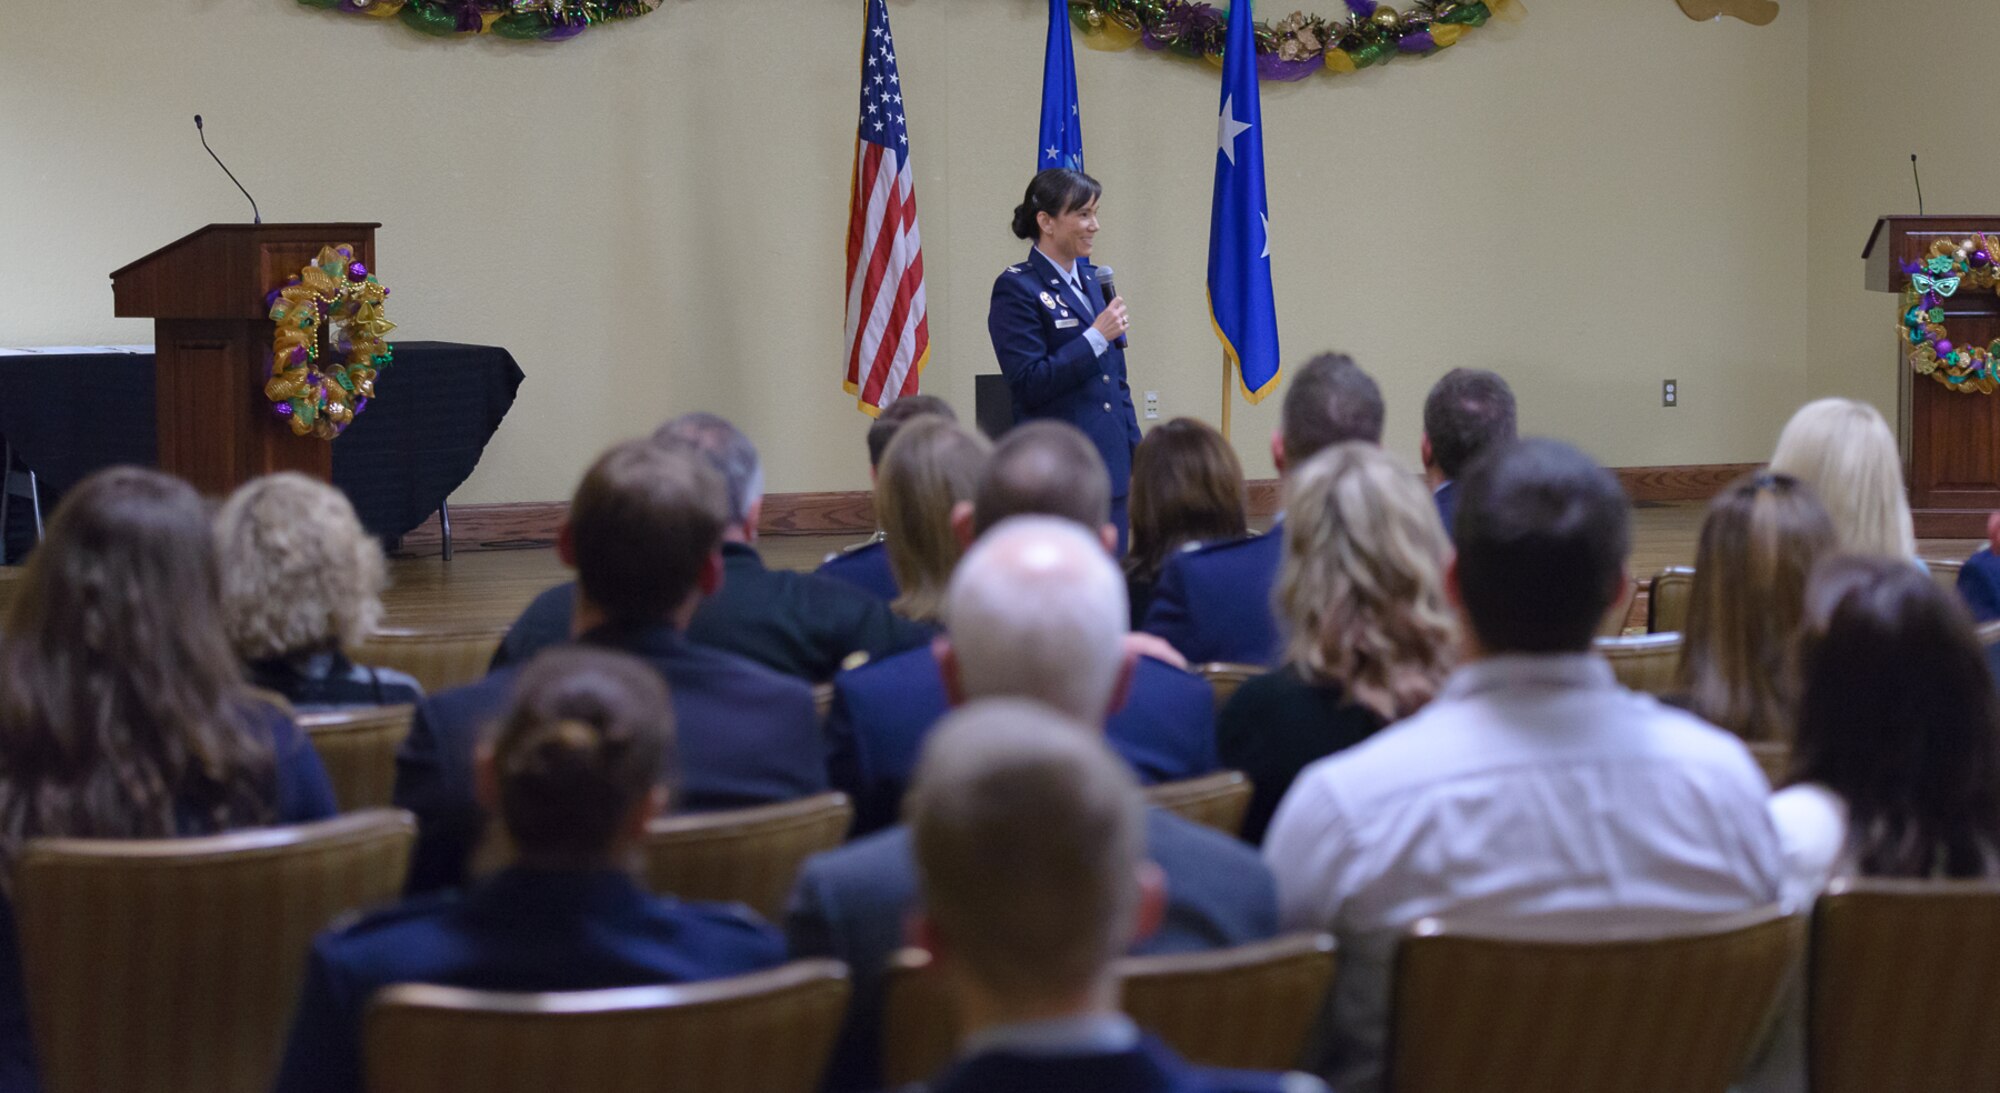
(1239, 232)
(1061, 142)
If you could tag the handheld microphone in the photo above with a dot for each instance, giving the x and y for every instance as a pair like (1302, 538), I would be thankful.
(255, 216)
(1914, 177)
(1104, 278)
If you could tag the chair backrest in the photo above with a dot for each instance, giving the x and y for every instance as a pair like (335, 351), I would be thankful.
(1216, 800)
(1774, 757)
(1225, 677)
(1251, 1007)
(440, 659)
(822, 699)
(770, 1032)
(1989, 632)
(1643, 662)
(1529, 1010)
(1945, 573)
(1903, 984)
(358, 748)
(1612, 624)
(1667, 599)
(174, 964)
(748, 855)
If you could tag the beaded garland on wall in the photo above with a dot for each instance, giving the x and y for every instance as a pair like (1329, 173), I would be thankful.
(534, 20)
(1296, 46)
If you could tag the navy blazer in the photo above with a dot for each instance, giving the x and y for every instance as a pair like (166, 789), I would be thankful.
(796, 623)
(1037, 330)
(1446, 496)
(1213, 603)
(883, 710)
(1979, 585)
(522, 930)
(1149, 1067)
(866, 567)
(745, 736)
(851, 904)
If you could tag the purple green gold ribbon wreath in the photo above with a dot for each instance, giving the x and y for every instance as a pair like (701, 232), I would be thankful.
(338, 297)
(1950, 267)
(543, 20)
(1296, 46)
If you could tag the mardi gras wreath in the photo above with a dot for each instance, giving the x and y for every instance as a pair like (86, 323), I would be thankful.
(1967, 264)
(318, 393)
(531, 20)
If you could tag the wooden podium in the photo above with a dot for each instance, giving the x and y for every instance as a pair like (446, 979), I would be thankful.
(212, 343)
(1950, 440)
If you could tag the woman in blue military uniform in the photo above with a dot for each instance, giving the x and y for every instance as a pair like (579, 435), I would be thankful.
(1055, 333)
(573, 769)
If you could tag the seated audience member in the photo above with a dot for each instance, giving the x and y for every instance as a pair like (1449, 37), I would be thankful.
(1369, 636)
(796, 623)
(1533, 785)
(1468, 411)
(1037, 612)
(931, 468)
(302, 583)
(1845, 452)
(644, 533)
(866, 564)
(1759, 541)
(1979, 578)
(1030, 844)
(881, 710)
(1214, 603)
(1187, 489)
(123, 711)
(575, 767)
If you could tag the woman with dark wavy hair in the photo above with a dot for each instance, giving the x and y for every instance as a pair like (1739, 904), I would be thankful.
(1187, 488)
(123, 709)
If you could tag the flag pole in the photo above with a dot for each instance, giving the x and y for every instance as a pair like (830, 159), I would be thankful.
(1228, 368)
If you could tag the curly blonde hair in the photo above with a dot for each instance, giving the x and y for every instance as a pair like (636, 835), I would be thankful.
(1361, 591)
(299, 575)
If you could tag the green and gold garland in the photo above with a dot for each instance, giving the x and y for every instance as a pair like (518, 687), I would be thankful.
(541, 20)
(1951, 266)
(1296, 46)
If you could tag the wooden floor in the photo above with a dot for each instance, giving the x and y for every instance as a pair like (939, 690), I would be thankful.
(489, 588)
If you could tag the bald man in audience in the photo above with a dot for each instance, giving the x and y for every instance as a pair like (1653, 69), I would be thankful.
(1533, 786)
(800, 624)
(1165, 723)
(1213, 603)
(1038, 611)
(866, 565)
(1029, 841)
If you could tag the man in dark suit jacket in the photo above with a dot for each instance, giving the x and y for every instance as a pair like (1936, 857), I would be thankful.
(1037, 865)
(799, 624)
(1468, 411)
(1213, 603)
(643, 534)
(866, 565)
(1037, 612)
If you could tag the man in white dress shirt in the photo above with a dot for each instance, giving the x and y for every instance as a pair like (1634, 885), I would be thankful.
(1533, 786)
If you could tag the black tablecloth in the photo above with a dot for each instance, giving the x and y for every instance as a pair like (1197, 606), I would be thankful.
(437, 406)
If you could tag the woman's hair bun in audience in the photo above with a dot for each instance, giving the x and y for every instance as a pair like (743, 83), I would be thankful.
(589, 735)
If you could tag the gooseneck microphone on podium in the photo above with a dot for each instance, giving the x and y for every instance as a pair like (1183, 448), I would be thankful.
(255, 216)
(1914, 177)
(1104, 278)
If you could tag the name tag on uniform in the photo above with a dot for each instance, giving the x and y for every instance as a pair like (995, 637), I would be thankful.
(1065, 324)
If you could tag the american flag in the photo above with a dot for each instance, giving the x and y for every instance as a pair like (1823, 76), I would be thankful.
(888, 335)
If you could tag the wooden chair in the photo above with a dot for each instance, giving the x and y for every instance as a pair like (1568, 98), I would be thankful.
(1529, 1009)
(1225, 677)
(440, 659)
(358, 747)
(1903, 983)
(1613, 623)
(1774, 757)
(1989, 633)
(1643, 662)
(1251, 1006)
(1216, 800)
(770, 1032)
(1945, 572)
(748, 855)
(1667, 600)
(822, 699)
(173, 964)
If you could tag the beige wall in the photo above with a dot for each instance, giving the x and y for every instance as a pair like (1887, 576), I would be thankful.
(650, 217)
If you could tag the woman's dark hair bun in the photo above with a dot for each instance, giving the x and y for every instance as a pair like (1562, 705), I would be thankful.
(1025, 225)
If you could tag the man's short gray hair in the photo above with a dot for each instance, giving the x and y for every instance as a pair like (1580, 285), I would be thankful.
(728, 449)
(1037, 610)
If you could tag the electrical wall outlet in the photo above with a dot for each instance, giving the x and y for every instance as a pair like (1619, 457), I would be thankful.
(1670, 393)
(1152, 406)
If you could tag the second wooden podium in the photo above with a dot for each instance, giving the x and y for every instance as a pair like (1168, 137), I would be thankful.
(212, 344)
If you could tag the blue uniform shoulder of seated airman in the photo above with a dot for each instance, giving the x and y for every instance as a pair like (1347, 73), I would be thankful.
(425, 905)
(1221, 546)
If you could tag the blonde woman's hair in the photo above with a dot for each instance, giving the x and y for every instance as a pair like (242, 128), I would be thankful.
(299, 575)
(1846, 453)
(930, 466)
(1361, 592)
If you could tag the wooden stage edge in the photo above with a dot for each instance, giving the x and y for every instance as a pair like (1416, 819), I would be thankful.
(515, 525)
